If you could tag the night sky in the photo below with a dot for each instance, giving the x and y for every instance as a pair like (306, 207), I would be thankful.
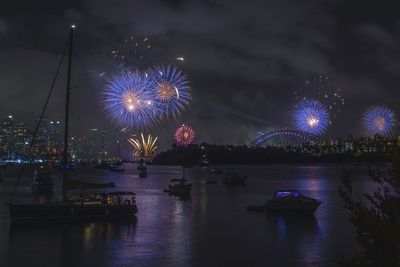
(244, 58)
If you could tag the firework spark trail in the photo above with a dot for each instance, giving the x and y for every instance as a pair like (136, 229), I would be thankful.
(132, 52)
(321, 89)
(311, 116)
(379, 120)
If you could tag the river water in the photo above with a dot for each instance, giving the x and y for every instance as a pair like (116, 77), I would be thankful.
(212, 228)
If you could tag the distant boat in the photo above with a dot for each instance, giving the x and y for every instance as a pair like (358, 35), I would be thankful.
(234, 179)
(142, 168)
(180, 189)
(203, 162)
(42, 182)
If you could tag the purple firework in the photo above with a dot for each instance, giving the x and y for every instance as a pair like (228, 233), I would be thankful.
(379, 120)
(129, 102)
(311, 116)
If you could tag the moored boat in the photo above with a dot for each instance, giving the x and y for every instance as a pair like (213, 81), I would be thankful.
(292, 201)
(203, 162)
(179, 189)
(233, 178)
(142, 170)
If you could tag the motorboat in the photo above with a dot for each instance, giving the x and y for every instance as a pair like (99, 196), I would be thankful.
(42, 182)
(291, 201)
(233, 178)
(179, 189)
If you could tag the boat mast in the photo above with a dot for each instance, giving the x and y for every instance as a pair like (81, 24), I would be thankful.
(65, 152)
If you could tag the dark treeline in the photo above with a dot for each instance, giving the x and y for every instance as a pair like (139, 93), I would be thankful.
(220, 154)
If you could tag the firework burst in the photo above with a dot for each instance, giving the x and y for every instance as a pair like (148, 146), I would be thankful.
(184, 135)
(311, 116)
(171, 89)
(129, 102)
(379, 120)
(144, 148)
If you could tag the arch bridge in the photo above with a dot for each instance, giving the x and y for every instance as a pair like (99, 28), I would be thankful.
(284, 137)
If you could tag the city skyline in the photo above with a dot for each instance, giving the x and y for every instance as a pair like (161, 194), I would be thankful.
(97, 145)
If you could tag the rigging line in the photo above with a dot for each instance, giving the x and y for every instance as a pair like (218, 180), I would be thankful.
(40, 119)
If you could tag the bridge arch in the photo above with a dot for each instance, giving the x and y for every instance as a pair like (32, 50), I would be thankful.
(284, 137)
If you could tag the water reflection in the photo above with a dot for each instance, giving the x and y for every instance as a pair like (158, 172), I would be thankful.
(297, 234)
(212, 228)
(72, 244)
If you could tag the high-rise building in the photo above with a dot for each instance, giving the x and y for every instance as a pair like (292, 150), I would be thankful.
(7, 136)
(96, 144)
(22, 138)
(54, 137)
(41, 143)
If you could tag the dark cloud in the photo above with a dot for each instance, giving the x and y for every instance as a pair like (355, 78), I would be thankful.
(244, 59)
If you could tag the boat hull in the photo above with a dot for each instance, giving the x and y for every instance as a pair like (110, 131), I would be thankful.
(70, 212)
(292, 206)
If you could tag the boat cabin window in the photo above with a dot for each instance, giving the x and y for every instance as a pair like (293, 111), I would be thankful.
(287, 194)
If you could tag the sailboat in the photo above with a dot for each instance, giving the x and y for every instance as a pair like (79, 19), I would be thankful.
(94, 206)
(181, 188)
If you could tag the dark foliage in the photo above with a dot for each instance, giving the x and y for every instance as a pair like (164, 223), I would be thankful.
(376, 218)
